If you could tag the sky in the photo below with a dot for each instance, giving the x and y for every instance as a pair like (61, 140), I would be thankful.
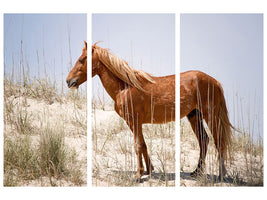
(145, 41)
(228, 47)
(47, 34)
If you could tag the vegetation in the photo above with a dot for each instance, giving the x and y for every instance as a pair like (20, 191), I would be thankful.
(244, 169)
(37, 122)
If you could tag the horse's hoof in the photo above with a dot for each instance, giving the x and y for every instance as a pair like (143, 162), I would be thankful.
(193, 174)
(196, 173)
(148, 172)
(138, 180)
(221, 178)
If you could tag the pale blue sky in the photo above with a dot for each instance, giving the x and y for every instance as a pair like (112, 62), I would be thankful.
(48, 32)
(228, 47)
(145, 41)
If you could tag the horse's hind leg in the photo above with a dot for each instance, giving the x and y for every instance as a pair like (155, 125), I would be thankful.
(218, 140)
(222, 169)
(213, 124)
(196, 120)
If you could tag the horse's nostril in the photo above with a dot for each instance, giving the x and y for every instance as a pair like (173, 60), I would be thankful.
(68, 82)
(72, 83)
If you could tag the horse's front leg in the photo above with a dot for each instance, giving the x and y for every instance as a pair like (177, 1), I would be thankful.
(139, 144)
(148, 162)
(136, 129)
(134, 122)
(141, 149)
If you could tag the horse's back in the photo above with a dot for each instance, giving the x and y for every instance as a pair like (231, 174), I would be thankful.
(199, 75)
(198, 80)
(162, 91)
(160, 101)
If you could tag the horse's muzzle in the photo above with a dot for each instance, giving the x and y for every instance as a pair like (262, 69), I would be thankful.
(72, 83)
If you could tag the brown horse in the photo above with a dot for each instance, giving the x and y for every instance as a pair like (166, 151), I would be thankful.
(201, 97)
(141, 98)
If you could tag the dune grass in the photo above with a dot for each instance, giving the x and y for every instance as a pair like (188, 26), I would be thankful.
(245, 168)
(34, 148)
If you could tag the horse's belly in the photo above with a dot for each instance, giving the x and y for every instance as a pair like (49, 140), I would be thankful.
(160, 114)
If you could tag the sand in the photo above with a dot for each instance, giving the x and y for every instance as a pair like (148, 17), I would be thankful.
(65, 116)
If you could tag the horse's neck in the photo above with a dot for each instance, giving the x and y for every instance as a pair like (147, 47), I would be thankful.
(111, 83)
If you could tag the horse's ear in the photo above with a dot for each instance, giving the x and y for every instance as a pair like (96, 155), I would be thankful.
(85, 43)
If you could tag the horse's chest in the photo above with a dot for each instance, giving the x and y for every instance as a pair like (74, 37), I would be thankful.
(128, 102)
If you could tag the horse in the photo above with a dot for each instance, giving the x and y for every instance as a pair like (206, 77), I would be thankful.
(141, 98)
(202, 97)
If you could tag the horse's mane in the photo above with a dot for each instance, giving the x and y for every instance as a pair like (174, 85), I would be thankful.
(121, 69)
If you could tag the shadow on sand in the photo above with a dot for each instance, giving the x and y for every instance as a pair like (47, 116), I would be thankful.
(213, 179)
(153, 175)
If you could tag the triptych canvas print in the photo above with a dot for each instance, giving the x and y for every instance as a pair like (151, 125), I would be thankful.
(141, 114)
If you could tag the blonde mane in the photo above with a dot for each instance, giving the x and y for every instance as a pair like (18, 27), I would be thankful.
(121, 69)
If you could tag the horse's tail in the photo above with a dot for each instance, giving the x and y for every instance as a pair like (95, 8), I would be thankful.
(224, 130)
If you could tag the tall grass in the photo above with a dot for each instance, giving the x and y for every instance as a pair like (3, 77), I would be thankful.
(246, 166)
(20, 161)
(50, 157)
(32, 151)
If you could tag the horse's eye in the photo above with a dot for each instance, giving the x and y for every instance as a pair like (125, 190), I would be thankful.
(82, 59)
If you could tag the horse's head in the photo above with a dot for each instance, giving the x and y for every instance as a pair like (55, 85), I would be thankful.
(78, 74)
(95, 60)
